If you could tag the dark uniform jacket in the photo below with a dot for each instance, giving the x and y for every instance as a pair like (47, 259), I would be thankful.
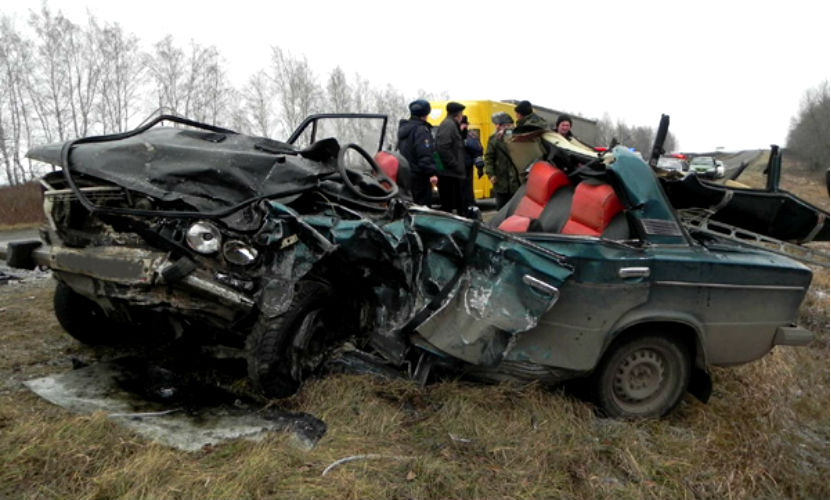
(451, 149)
(415, 143)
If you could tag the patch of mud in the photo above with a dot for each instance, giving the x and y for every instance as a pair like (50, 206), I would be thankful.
(165, 407)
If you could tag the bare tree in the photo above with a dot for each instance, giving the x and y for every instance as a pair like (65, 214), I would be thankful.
(48, 78)
(258, 104)
(392, 103)
(166, 66)
(83, 68)
(361, 95)
(605, 130)
(14, 122)
(339, 99)
(238, 116)
(121, 74)
(639, 138)
(808, 137)
(338, 92)
(298, 92)
(207, 85)
(193, 84)
(670, 143)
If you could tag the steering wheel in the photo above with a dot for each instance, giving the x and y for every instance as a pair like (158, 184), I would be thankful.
(389, 191)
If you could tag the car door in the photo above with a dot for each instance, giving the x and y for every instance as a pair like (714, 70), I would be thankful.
(495, 288)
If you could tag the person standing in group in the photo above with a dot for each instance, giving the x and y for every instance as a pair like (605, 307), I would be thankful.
(527, 120)
(451, 150)
(563, 126)
(416, 145)
(473, 157)
(526, 145)
(499, 167)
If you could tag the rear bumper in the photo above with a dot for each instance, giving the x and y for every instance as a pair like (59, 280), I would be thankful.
(792, 335)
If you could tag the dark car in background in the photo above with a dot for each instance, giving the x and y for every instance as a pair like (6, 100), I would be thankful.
(675, 163)
(283, 253)
(705, 166)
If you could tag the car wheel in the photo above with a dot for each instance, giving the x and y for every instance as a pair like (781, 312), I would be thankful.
(278, 349)
(82, 318)
(644, 376)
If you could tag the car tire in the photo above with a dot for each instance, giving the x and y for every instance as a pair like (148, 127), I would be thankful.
(642, 377)
(82, 318)
(275, 366)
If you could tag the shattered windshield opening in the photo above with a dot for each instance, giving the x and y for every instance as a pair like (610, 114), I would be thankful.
(365, 132)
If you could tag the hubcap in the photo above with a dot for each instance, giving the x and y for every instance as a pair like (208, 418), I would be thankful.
(639, 376)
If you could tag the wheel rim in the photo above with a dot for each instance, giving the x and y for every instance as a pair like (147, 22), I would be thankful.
(308, 353)
(640, 377)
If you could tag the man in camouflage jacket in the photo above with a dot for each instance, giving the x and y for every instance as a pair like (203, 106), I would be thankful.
(499, 167)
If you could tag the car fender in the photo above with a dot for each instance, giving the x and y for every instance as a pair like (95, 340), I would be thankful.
(700, 384)
(641, 318)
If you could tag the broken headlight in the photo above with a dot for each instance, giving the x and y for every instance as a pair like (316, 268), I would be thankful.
(204, 237)
(237, 252)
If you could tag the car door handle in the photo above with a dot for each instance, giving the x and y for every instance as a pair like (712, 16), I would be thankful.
(541, 286)
(633, 272)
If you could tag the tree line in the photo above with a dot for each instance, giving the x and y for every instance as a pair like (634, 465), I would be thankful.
(809, 134)
(60, 80)
(639, 137)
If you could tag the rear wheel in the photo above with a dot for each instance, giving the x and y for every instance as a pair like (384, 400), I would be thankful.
(282, 350)
(643, 376)
(82, 318)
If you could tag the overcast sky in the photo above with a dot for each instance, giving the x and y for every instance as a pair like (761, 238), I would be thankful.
(729, 73)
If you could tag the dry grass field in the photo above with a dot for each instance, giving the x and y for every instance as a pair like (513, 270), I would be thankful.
(20, 205)
(764, 434)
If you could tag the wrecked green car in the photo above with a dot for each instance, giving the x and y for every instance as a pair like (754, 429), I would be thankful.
(283, 253)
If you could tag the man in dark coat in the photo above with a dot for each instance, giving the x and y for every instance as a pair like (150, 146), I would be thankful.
(451, 149)
(473, 158)
(415, 143)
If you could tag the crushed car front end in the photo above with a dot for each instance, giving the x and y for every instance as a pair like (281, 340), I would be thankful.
(256, 249)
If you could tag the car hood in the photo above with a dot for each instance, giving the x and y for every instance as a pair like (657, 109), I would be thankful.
(207, 170)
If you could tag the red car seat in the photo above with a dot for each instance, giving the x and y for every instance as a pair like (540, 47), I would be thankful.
(398, 169)
(593, 208)
(544, 180)
(388, 163)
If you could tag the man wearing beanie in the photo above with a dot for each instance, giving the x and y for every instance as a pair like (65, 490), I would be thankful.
(415, 143)
(451, 149)
(527, 120)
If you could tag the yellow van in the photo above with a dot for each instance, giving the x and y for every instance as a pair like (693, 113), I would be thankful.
(479, 116)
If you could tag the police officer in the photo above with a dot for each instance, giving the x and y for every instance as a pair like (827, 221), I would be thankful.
(415, 143)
